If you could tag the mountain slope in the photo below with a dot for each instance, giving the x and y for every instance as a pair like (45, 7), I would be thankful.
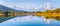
(9, 9)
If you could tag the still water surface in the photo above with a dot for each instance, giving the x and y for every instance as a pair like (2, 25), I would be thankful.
(30, 21)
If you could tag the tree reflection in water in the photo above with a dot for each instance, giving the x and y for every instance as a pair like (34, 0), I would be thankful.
(48, 18)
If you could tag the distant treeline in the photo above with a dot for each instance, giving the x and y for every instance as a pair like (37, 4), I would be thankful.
(57, 10)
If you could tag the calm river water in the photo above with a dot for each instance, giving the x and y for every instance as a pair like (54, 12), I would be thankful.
(30, 21)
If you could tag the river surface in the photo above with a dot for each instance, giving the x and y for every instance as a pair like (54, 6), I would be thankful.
(30, 21)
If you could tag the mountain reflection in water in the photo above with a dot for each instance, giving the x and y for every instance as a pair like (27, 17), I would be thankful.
(32, 21)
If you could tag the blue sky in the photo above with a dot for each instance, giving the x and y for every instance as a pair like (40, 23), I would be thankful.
(30, 3)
